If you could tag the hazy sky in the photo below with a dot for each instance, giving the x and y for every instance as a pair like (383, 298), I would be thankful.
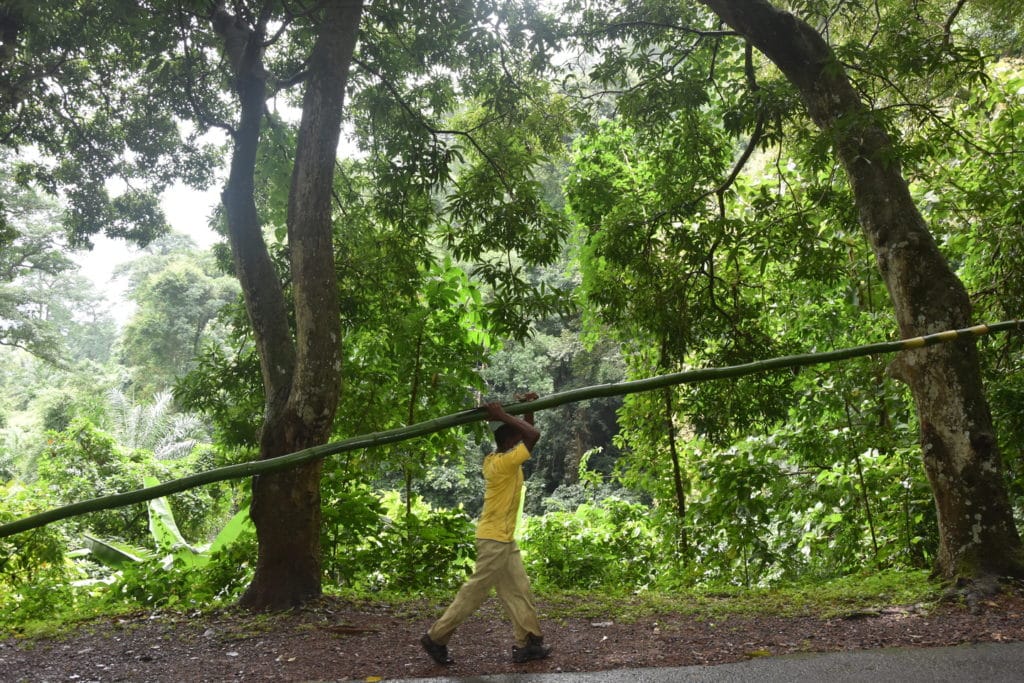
(187, 211)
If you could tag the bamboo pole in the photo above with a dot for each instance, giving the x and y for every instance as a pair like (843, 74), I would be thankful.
(283, 462)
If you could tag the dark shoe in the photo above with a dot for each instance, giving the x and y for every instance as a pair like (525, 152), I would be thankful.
(437, 652)
(534, 649)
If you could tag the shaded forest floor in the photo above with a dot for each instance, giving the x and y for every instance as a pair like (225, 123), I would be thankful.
(338, 639)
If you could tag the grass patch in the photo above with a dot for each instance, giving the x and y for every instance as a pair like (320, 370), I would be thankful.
(62, 624)
(825, 599)
(415, 604)
(843, 596)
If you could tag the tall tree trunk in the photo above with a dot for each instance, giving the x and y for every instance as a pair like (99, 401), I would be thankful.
(301, 378)
(677, 473)
(977, 536)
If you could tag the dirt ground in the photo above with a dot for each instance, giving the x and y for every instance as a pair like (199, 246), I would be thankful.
(337, 640)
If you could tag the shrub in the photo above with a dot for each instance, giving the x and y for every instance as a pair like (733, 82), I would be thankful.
(83, 462)
(34, 572)
(375, 545)
(429, 548)
(179, 573)
(609, 544)
(176, 582)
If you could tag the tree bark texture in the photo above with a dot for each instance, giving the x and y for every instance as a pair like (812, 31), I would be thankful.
(301, 378)
(264, 297)
(977, 535)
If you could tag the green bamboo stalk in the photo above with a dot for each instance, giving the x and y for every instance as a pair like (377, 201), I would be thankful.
(284, 462)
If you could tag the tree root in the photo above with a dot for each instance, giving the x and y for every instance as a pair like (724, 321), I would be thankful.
(976, 592)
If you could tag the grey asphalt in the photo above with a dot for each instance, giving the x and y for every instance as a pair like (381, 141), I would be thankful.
(980, 663)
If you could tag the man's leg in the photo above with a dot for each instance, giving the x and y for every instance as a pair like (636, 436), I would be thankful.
(513, 588)
(490, 559)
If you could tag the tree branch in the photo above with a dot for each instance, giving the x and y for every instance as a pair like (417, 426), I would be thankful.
(609, 28)
(437, 133)
(947, 28)
(755, 137)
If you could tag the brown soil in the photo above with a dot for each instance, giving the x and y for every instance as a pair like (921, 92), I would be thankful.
(337, 640)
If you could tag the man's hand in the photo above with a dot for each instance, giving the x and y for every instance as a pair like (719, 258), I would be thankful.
(527, 431)
(495, 411)
(528, 396)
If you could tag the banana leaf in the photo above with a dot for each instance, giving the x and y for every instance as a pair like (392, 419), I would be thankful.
(166, 534)
(114, 555)
(232, 530)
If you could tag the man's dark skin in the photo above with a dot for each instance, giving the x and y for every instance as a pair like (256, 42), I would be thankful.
(499, 565)
(515, 429)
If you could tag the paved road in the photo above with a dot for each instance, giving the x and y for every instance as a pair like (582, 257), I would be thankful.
(984, 663)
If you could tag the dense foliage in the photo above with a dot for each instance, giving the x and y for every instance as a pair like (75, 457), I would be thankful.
(655, 202)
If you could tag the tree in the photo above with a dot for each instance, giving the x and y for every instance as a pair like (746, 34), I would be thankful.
(154, 427)
(960, 453)
(978, 210)
(178, 295)
(46, 307)
(119, 76)
(400, 98)
(32, 252)
(666, 267)
(300, 379)
(82, 93)
(977, 533)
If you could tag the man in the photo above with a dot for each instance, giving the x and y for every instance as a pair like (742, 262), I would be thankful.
(498, 562)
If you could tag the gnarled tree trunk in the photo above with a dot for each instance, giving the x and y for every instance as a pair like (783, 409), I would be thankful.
(977, 536)
(301, 376)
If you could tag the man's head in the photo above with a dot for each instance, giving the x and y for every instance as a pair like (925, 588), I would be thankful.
(510, 430)
(505, 436)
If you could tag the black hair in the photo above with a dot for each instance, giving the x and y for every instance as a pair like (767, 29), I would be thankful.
(506, 434)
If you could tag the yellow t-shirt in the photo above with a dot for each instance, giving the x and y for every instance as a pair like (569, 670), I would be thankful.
(503, 481)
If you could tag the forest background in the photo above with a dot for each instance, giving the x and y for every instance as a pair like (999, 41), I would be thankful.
(605, 192)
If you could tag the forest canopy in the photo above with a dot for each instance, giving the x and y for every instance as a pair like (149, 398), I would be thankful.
(426, 207)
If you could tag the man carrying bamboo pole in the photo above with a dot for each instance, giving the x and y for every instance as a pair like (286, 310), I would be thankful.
(498, 562)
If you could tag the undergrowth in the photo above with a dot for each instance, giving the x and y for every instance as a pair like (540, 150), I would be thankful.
(827, 599)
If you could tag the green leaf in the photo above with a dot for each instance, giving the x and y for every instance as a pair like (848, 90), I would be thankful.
(114, 555)
(231, 531)
(164, 528)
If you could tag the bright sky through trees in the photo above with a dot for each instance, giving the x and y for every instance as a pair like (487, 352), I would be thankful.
(187, 211)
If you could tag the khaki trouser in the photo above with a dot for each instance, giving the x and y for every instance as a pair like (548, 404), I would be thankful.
(499, 566)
